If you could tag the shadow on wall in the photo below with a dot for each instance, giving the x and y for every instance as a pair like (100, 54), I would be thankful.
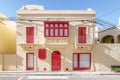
(106, 55)
(9, 62)
(65, 60)
(20, 62)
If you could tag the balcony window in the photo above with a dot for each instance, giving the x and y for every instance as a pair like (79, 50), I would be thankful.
(56, 29)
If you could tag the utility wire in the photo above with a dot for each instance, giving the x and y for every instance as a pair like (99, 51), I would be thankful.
(108, 13)
(98, 21)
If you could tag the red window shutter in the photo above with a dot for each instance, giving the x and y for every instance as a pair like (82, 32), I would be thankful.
(30, 34)
(42, 53)
(82, 35)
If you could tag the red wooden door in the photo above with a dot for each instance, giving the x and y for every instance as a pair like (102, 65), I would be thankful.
(82, 35)
(56, 60)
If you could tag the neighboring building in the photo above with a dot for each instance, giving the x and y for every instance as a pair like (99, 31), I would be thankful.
(7, 43)
(110, 35)
(55, 40)
(107, 52)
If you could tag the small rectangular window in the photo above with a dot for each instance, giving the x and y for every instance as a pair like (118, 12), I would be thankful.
(75, 60)
(47, 32)
(56, 32)
(65, 32)
(30, 61)
(51, 32)
(61, 32)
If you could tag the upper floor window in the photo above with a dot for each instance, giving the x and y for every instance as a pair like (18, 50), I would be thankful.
(56, 29)
(29, 34)
(82, 35)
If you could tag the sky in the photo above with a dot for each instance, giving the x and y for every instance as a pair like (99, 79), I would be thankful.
(108, 10)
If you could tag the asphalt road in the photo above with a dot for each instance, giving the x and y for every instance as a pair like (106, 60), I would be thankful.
(54, 76)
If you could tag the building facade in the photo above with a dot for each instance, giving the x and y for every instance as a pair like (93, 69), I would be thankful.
(55, 40)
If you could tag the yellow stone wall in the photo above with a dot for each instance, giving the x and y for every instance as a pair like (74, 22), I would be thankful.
(7, 44)
(106, 55)
(7, 36)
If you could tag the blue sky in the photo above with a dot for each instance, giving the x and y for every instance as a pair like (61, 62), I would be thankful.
(9, 7)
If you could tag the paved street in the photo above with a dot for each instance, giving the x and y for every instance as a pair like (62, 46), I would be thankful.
(59, 76)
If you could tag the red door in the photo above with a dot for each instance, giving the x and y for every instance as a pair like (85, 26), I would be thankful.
(82, 35)
(56, 60)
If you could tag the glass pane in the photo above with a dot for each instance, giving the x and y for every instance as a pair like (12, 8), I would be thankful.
(61, 25)
(51, 25)
(46, 25)
(30, 61)
(65, 32)
(51, 32)
(61, 32)
(84, 60)
(75, 61)
(56, 32)
(46, 32)
(56, 25)
(65, 25)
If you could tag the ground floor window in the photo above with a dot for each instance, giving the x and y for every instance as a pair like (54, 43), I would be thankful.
(30, 61)
(81, 61)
